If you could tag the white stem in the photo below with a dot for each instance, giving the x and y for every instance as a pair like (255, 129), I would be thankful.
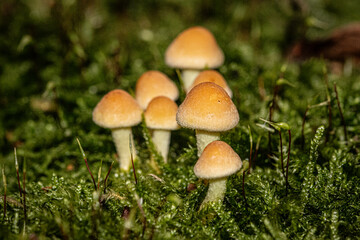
(161, 139)
(122, 144)
(188, 76)
(216, 191)
(203, 138)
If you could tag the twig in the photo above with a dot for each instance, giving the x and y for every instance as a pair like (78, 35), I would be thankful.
(132, 158)
(107, 175)
(282, 155)
(86, 162)
(24, 189)
(17, 172)
(287, 163)
(341, 113)
(5, 190)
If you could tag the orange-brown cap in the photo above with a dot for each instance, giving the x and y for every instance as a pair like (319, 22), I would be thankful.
(194, 48)
(207, 107)
(161, 114)
(212, 76)
(217, 160)
(152, 84)
(117, 109)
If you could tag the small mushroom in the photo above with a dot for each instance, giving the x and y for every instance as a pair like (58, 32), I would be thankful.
(216, 163)
(209, 110)
(192, 51)
(214, 77)
(119, 111)
(160, 116)
(152, 84)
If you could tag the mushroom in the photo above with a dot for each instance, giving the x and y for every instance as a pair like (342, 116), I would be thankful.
(160, 116)
(119, 111)
(152, 84)
(193, 50)
(216, 163)
(209, 110)
(212, 76)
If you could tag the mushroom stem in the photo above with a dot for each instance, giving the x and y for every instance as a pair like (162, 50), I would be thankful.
(203, 138)
(188, 76)
(122, 144)
(216, 191)
(161, 139)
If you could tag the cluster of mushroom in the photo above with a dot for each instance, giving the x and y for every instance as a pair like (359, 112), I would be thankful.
(207, 108)
(119, 111)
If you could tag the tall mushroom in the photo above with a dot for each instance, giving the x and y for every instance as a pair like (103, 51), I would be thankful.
(214, 77)
(209, 110)
(118, 111)
(160, 116)
(152, 84)
(192, 51)
(216, 163)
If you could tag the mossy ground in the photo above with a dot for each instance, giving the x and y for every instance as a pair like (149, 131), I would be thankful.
(68, 54)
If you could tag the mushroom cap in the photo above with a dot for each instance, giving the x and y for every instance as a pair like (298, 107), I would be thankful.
(217, 160)
(117, 109)
(152, 84)
(161, 114)
(194, 48)
(212, 76)
(208, 107)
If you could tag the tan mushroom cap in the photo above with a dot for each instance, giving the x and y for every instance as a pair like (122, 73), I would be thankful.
(152, 84)
(161, 114)
(214, 77)
(194, 48)
(208, 107)
(117, 109)
(217, 160)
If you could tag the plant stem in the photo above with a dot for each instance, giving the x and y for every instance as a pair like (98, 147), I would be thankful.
(281, 154)
(261, 88)
(138, 201)
(179, 75)
(86, 162)
(328, 99)
(271, 110)
(24, 189)
(107, 175)
(17, 173)
(5, 190)
(341, 113)
(251, 149)
(99, 175)
(131, 156)
(287, 163)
